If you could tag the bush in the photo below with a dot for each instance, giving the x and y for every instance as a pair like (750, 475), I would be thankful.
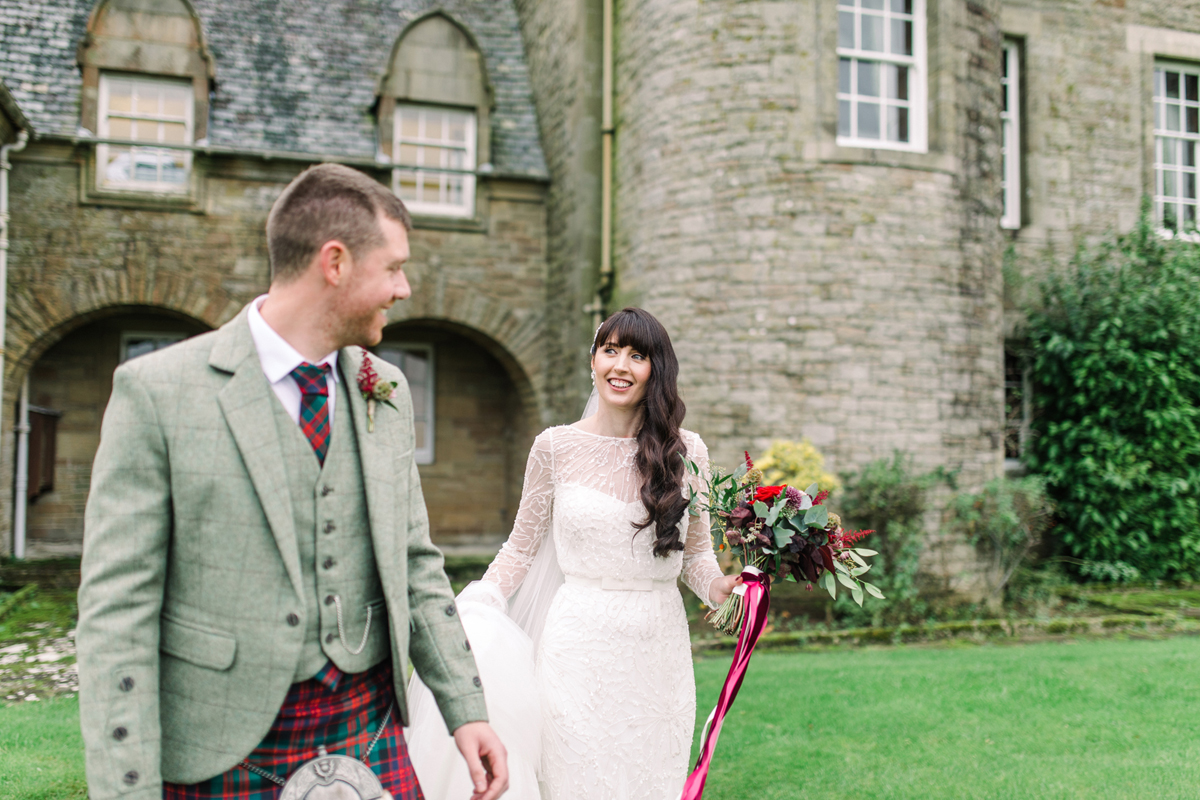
(888, 497)
(1115, 348)
(799, 464)
(1005, 521)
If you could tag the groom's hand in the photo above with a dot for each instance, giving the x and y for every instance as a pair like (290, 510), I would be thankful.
(486, 758)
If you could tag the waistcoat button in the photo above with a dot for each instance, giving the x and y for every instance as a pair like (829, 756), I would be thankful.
(329, 526)
(130, 777)
(326, 490)
(125, 685)
(450, 610)
(467, 644)
(120, 733)
(329, 638)
(328, 599)
(328, 563)
(293, 620)
(478, 683)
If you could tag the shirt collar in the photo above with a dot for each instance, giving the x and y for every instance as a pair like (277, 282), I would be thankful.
(279, 358)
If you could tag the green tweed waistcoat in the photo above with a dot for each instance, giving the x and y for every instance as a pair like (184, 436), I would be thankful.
(194, 609)
(337, 559)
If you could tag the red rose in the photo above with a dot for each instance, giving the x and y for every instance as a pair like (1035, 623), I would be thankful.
(766, 493)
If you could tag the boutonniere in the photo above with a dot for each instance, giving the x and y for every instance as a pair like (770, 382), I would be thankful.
(373, 390)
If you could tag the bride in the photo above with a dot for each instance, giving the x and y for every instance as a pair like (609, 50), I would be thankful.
(588, 675)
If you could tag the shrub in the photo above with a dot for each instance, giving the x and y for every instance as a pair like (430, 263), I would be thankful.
(1115, 364)
(1005, 521)
(799, 464)
(889, 498)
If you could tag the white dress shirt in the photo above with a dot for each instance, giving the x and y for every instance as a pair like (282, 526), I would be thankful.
(279, 358)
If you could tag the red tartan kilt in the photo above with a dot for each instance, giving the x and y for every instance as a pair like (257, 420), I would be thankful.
(335, 709)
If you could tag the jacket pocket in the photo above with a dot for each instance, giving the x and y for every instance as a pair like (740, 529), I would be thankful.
(197, 644)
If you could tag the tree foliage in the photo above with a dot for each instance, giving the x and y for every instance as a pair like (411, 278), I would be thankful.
(1115, 361)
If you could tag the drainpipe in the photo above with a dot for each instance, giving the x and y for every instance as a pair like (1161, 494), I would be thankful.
(604, 289)
(5, 166)
(21, 501)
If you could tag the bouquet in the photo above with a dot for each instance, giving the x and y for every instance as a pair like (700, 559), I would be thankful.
(780, 531)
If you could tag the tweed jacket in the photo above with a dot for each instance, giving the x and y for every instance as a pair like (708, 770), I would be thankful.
(191, 608)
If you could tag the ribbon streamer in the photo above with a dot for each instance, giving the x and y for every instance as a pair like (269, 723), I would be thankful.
(757, 600)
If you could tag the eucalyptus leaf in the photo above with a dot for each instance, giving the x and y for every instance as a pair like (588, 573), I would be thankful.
(841, 568)
(782, 537)
(847, 581)
(829, 584)
(741, 470)
(760, 508)
(816, 517)
(773, 515)
(862, 551)
(857, 594)
(860, 571)
(811, 491)
(857, 558)
(872, 590)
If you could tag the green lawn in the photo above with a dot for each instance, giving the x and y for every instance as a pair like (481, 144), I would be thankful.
(1091, 719)
(1095, 719)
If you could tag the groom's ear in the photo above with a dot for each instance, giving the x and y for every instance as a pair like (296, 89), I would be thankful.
(333, 262)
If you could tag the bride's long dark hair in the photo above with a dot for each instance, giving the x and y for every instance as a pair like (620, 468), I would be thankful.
(659, 441)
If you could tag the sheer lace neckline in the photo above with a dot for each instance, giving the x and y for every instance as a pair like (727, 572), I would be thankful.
(601, 435)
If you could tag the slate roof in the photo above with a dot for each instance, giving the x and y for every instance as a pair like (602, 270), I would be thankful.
(297, 76)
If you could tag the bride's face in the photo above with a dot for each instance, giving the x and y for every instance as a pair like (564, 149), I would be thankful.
(622, 374)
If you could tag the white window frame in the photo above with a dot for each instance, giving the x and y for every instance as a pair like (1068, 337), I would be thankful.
(422, 455)
(1176, 142)
(424, 171)
(917, 80)
(1010, 139)
(161, 338)
(102, 150)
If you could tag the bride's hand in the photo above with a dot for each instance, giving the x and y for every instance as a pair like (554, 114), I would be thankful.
(723, 587)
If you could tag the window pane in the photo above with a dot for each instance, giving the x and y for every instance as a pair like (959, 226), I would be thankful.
(902, 36)
(420, 432)
(175, 104)
(1190, 87)
(117, 168)
(175, 168)
(1168, 150)
(1172, 84)
(1189, 154)
(874, 5)
(1169, 218)
(454, 187)
(1169, 183)
(844, 75)
(409, 122)
(431, 187)
(455, 159)
(174, 132)
(406, 184)
(120, 96)
(458, 128)
(145, 165)
(846, 29)
(1193, 119)
(872, 32)
(902, 6)
(843, 118)
(1189, 217)
(1172, 117)
(868, 120)
(434, 121)
(1158, 83)
(1158, 115)
(119, 128)
(408, 154)
(868, 78)
(897, 82)
(1189, 185)
(898, 123)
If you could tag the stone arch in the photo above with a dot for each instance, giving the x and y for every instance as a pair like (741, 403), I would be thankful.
(151, 37)
(436, 60)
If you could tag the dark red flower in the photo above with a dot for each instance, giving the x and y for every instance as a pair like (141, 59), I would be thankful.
(741, 516)
(820, 498)
(765, 493)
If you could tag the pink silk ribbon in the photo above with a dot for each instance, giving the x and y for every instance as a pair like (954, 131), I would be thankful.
(757, 600)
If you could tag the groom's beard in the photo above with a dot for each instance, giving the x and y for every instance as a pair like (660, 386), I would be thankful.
(361, 327)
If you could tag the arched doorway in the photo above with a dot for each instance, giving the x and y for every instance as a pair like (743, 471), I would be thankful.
(69, 387)
(474, 424)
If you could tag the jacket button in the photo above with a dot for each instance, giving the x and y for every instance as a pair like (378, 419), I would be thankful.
(328, 599)
(329, 638)
(130, 777)
(478, 683)
(293, 620)
(329, 526)
(120, 733)
(326, 491)
(450, 610)
(467, 644)
(125, 685)
(328, 563)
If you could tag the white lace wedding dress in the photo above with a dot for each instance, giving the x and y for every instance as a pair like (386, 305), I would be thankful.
(613, 671)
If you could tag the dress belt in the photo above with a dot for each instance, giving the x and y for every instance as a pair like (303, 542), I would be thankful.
(622, 584)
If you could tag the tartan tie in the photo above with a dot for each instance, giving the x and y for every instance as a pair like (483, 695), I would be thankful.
(314, 406)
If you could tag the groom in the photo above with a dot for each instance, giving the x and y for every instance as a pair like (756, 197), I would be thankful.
(257, 566)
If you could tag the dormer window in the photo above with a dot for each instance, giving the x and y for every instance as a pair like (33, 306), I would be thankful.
(153, 111)
(434, 149)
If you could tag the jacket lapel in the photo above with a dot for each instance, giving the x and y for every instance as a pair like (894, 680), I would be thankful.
(375, 457)
(247, 403)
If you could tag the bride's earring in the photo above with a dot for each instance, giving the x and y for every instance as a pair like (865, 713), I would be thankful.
(593, 377)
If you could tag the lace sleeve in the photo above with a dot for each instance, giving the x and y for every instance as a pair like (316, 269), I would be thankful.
(532, 524)
(700, 567)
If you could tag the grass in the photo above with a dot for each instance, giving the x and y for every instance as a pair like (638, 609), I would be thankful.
(1094, 719)
(41, 751)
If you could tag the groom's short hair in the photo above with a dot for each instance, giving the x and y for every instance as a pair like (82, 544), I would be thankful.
(324, 203)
